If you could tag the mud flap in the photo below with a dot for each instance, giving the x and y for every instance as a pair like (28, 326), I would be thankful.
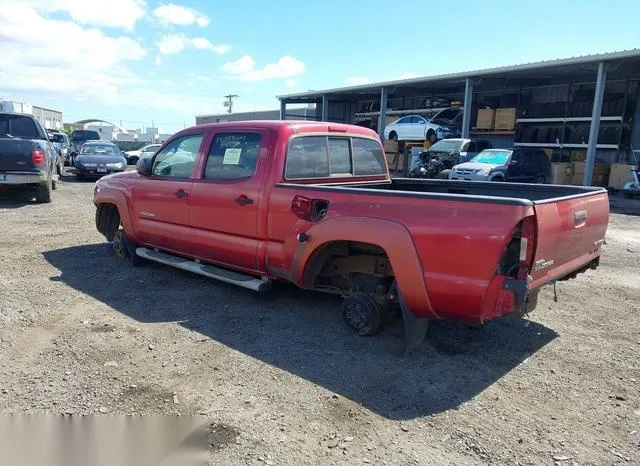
(415, 328)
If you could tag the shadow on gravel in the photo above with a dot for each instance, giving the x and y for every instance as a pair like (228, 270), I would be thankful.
(303, 333)
(11, 198)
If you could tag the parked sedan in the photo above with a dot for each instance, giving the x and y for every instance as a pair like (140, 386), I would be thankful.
(418, 128)
(134, 155)
(99, 158)
(518, 165)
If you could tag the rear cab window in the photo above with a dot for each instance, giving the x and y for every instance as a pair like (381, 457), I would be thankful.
(316, 157)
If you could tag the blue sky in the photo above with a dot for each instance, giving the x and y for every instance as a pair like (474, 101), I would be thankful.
(140, 61)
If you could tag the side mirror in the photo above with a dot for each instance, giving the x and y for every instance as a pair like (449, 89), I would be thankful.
(144, 166)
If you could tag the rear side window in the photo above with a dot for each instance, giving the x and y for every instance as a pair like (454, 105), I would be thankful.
(233, 156)
(323, 157)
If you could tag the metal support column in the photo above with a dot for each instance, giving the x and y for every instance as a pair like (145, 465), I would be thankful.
(595, 124)
(382, 120)
(325, 109)
(283, 109)
(468, 102)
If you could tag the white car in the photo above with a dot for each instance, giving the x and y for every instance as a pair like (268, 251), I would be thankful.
(418, 128)
(134, 155)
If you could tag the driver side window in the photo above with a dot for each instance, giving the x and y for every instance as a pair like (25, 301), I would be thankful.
(233, 156)
(176, 160)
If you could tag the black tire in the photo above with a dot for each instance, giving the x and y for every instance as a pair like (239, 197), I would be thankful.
(133, 160)
(541, 180)
(498, 179)
(124, 249)
(362, 314)
(43, 192)
(393, 136)
(431, 136)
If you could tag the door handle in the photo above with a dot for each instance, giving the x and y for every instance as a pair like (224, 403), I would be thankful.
(181, 194)
(243, 200)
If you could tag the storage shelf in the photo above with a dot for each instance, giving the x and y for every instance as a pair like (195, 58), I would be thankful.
(480, 132)
(568, 119)
(415, 111)
(569, 146)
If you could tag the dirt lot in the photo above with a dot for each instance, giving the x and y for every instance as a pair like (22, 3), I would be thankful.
(285, 382)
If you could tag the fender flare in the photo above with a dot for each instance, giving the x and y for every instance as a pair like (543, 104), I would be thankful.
(392, 237)
(118, 199)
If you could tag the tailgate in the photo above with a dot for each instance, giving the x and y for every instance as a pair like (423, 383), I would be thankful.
(15, 155)
(569, 234)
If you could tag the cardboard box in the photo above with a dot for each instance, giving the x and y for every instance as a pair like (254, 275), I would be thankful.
(391, 146)
(620, 175)
(598, 168)
(596, 180)
(562, 173)
(505, 119)
(485, 118)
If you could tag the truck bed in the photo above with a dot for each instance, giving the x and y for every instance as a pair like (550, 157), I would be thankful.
(491, 192)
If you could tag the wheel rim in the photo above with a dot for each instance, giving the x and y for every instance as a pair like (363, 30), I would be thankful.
(357, 316)
(119, 244)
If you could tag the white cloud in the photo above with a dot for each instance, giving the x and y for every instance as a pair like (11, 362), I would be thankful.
(178, 15)
(357, 80)
(157, 60)
(85, 63)
(244, 68)
(117, 14)
(291, 83)
(171, 44)
(407, 76)
(242, 65)
(204, 44)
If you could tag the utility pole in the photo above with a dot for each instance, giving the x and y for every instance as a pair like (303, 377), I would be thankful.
(229, 102)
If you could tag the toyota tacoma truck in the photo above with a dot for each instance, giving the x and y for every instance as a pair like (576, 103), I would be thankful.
(312, 203)
(27, 157)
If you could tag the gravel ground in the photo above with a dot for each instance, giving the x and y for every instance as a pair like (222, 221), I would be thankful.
(281, 379)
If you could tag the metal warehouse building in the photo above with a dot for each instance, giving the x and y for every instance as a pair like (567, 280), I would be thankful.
(581, 109)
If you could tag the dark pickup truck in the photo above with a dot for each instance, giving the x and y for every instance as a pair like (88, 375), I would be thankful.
(27, 157)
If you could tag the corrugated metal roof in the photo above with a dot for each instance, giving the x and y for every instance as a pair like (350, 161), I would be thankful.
(579, 60)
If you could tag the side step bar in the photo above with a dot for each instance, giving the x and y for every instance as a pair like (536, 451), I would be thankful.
(211, 271)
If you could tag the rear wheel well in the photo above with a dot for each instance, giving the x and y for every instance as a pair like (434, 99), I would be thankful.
(349, 267)
(107, 220)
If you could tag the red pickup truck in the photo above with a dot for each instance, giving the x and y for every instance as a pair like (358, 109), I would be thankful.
(313, 204)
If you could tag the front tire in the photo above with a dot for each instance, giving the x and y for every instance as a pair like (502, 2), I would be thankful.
(362, 314)
(43, 192)
(133, 160)
(431, 136)
(393, 136)
(124, 249)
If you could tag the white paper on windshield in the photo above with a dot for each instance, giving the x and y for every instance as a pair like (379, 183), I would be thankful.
(232, 156)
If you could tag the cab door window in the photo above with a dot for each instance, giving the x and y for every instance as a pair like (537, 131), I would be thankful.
(176, 159)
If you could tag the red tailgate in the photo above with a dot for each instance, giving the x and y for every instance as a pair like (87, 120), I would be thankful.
(569, 234)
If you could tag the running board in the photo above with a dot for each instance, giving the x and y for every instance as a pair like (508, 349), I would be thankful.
(211, 271)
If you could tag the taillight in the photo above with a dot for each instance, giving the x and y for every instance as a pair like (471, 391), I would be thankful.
(38, 157)
(527, 244)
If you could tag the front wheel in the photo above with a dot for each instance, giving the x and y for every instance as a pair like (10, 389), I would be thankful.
(133, 160)
(393, 136)
(124, 249)
(362, 314)
(431, 136)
